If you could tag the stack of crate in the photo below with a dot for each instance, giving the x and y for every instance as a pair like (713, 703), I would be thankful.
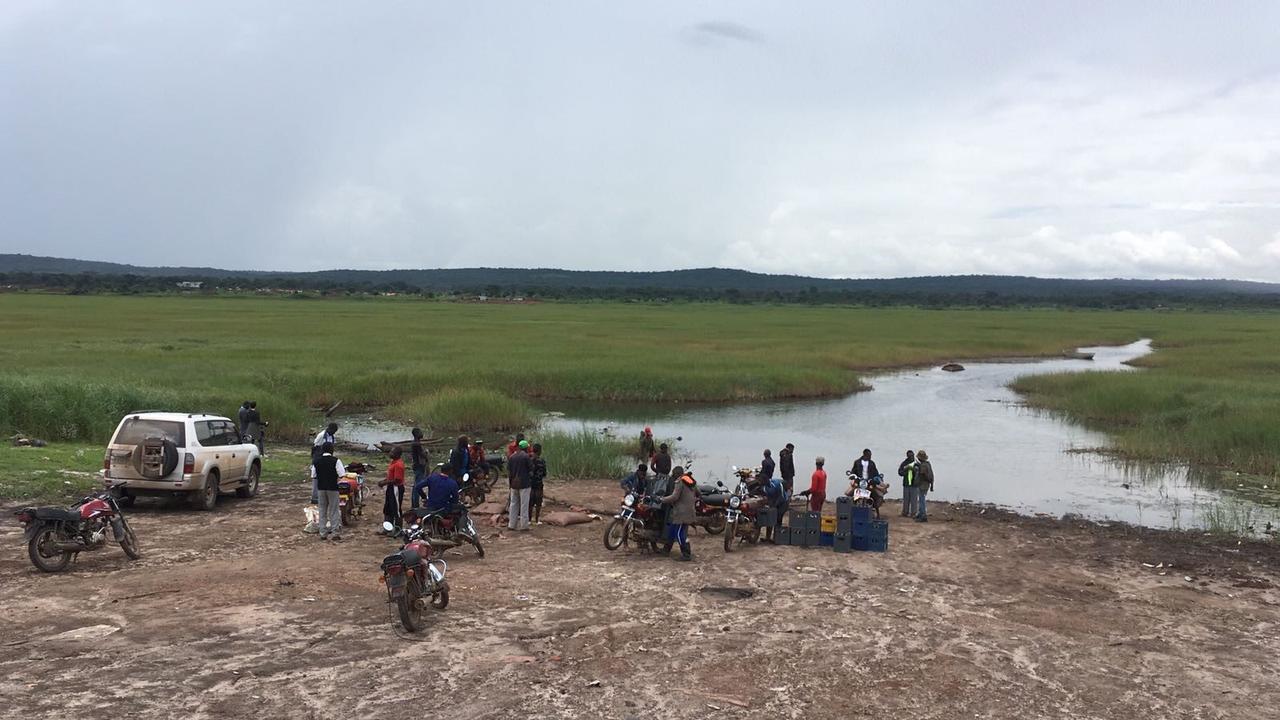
(804, 529)
(856, 530)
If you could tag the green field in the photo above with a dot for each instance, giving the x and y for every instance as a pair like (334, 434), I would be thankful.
(71, 366)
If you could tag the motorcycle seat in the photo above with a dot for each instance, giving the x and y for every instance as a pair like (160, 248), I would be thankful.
(57, 514)
(716, 499)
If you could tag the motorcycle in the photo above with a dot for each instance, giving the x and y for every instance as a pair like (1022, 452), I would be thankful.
(710, 507)
(741, 515)
(860, 489)
(475, 487)
(449, 527)
(641, 519)
(413, 579)
(352, 492)
(55, 536)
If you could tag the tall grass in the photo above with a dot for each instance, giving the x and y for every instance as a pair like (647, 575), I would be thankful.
(584, 454)
(464, 409)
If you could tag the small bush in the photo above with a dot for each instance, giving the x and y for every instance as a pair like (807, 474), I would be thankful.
(465, 409)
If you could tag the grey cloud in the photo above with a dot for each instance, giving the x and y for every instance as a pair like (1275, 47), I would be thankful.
(717, 30)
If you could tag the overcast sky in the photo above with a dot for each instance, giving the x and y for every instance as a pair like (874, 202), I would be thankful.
(819, 138)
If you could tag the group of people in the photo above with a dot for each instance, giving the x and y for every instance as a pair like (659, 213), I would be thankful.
(251, 426)
(439, 489)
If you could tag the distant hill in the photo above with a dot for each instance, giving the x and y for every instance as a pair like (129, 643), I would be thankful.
(702, 282)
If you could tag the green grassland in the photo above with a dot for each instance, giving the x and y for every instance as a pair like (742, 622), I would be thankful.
(71, 366)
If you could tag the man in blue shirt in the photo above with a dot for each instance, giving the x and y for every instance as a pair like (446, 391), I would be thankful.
(439, 490)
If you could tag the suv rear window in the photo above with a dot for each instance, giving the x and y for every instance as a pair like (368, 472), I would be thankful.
(136, 430)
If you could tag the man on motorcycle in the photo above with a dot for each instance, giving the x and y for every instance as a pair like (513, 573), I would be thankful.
(422, 488)
(682, 501)
(442, 489)
(638, 481)
(864, 468)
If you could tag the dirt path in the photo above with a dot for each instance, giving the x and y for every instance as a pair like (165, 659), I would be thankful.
(976, 614)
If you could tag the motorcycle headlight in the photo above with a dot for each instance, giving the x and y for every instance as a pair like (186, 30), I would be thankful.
(629, 500)
(734, 502)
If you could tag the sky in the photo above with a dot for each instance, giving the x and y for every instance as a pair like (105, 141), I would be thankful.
(832, 139)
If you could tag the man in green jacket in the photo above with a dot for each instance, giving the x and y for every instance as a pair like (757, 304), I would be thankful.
(907, 471)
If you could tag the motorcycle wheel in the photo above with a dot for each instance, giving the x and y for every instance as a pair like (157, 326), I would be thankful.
(130, 542)
(57, 561)
(440, 600)
(753, 537)
(715, 525)
(475, 542)
(615, 534)
(346, 514)
(410, 609)
(730, 535)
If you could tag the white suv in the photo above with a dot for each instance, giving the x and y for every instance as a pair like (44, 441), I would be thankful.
(200, 456)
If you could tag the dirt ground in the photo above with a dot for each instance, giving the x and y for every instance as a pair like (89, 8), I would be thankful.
(978, 613)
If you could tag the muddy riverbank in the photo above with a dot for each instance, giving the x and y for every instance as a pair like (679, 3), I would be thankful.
(980, 613)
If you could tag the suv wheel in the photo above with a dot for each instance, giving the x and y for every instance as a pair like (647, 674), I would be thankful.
(250, 487)
(206, 499)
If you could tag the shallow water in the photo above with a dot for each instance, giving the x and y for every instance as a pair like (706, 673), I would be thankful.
(984, 445)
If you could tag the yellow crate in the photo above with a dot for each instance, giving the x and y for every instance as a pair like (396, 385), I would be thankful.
(828, 523)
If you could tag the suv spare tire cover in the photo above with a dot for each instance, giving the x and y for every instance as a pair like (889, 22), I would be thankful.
(169, 453)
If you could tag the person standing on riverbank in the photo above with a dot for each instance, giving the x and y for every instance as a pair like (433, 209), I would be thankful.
(924, 485)
(417, 456)
(662, 461)
(514, 445)
(394, 484)
(787, 467)
(328, 436)
(817, 485)
(907, 470)
(460, 458)
(647, 449)
(518, 468)
(537, 475)
(328, 469)
(682, 501)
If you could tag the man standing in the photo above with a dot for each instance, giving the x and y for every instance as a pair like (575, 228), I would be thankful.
(460, 458)
(251, 426)
(787, 467)
(244, 412)
(537, 475)
(518, 469)
(514, 445)
(818, 485)
(767, 465)
(647, 449)
(328, 469)
(924, 485)
(662, 461)
(417, 456)
(682, 501)
(326, 436)
(394, 484)
(907, 471)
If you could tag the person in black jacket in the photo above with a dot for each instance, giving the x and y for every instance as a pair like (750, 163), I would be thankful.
(460, 458)
(787, 467)
(865, 468)
(328, 469)
(537, 474)
(767, 465)
(518, 469)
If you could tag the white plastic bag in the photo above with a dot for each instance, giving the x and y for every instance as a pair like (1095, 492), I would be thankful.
(313, 519)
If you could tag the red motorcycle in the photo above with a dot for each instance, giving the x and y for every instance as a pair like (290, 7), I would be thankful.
(641, 519)
(413, 579)
(742, 512)
(55, 536)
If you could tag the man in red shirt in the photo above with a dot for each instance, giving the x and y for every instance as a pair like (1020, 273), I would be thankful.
(514, 445)
(394, 483)
(817, 485)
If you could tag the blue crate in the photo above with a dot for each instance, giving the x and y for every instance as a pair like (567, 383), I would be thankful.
(878, 530)
(861, 543)
(798, 520)
(878, 544)
(860, 529)
(861, 515)
(826, 539)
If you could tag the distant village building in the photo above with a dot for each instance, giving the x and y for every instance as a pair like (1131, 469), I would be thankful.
(190, 285)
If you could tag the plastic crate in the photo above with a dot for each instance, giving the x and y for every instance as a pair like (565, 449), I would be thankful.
(878, 544)
(828, 524)
(879, 530)
(784, 535)
(843, 543)
(797, 519)
(826, 539)
(861, 543)
(861, 514)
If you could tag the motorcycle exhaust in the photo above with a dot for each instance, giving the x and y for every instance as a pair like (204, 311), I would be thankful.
(69, 546)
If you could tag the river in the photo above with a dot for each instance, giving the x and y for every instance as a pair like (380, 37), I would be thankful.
(985, 445)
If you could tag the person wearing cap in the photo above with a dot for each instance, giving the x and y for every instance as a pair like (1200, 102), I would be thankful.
(683, 512)
(924, 484)
(519, 468)
(787, 467)
(907, 470)
(394, 484)
(638, 481)
(647, 448)
(328, 435)
(817, 492)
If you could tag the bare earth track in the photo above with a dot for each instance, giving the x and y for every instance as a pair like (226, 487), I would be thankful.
(982, 614)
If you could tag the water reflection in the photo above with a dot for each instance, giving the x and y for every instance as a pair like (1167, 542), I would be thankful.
(985, 445)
